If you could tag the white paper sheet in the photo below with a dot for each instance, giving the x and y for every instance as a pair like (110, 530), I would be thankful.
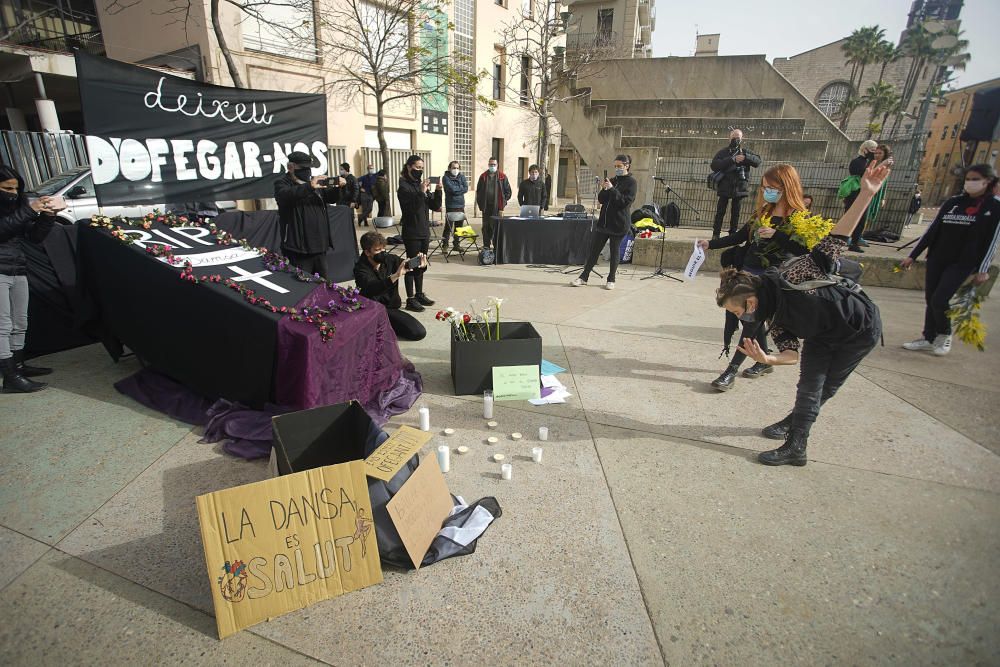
(697, 259)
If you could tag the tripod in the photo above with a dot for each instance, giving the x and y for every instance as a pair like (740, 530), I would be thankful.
(593, 218)
(659, 272)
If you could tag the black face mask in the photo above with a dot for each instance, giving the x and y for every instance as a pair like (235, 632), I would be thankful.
(749, 317)
(418, 174)
(380, 257)
(733, 143)
(8, 197)
(303, 173)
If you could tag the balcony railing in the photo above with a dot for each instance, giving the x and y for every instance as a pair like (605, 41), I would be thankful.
(588, 41)
(89, 42)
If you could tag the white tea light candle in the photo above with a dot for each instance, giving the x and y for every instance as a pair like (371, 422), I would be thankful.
(543, 433)
(536, 454)
(507, 471)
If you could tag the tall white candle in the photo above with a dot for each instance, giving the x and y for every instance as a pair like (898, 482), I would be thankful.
(506, 471)
(536, 454)
(543, 433)
(444, 457)
(425, 419)
(488, 404)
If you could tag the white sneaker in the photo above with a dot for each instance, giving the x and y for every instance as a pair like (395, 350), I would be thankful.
(919, 345)
(578, 282)
(942, 345)
(609, 285)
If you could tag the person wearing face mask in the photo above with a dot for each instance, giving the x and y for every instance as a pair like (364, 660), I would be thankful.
(734, 162)
(345, 187)
(531, 191)
(455, 186)
(754, 249)
(416, 202)
(850, 186)
(20, 221)
(838, 326)
(492, 194)
(882, 153)
(305, 224)
(377, 274)
(616, 197)
(366, 188)
(961, 242)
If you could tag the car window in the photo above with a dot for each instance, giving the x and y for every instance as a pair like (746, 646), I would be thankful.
(57, 183)
(87, 183)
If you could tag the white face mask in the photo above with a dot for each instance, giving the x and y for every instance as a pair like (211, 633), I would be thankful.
(975, 187)
(492, 168)
(533, 177)
(454, 172)
(371, 171)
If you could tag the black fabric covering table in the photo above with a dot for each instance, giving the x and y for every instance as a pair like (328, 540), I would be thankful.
(261, 228)
(541, 241)
(204, 336)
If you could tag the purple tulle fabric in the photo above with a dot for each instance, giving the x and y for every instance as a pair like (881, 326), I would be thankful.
(362, 362)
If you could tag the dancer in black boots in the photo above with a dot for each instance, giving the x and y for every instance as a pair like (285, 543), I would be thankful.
(839, 326)
(616, 197)
(415, 203)
(20, 221)
(779, 196)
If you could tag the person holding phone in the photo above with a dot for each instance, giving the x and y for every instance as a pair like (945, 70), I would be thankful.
(377, 274)
(20, 221)
(616, 197)
(416, 200)
(305, 224)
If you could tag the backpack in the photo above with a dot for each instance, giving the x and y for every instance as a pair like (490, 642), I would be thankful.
(487, 257)
(714, 179)
(846, 274)
(671, 214)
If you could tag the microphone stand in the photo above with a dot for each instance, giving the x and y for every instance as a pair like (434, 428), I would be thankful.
(659, 272)
(593, 219)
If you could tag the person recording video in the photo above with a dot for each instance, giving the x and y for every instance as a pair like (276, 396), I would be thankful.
(377, 274)
(734, 162)
(616, 197)
(305, 225)
(417, 197)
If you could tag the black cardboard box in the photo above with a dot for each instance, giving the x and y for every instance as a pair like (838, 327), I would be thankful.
(322, 436)
(472, 361)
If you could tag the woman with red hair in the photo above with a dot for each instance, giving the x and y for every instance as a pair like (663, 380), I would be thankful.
(754, 248)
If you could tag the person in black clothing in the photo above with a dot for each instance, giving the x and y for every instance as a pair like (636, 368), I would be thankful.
(20, 221)
(415, 203)
(961, 241)
(492, 194)
(531, 191)
(616, 197)
(779, 196)
(380, 192)
(366, 188)
(305, 223)
(377, 274)
(839, 326)
(548, 190)
(345, 187)
(735, 161)
(857, 167)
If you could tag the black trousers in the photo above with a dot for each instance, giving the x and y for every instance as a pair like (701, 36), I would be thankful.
(383, 207)
(406, 326)
(312, 263)
(720, 213)
(448, 225)
(754, 330)
(489, 228)
(415, 279)
(940, 284)
(823, 370)
(365, 202)
(600, 238)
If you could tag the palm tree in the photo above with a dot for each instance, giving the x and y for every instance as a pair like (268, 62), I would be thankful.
(862, 48)
(880, 98)
(916, 45)
(888, 53)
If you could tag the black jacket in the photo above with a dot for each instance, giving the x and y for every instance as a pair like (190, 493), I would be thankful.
(347, 194)
(736, 181)
(762, 254)
(859, 164)
(532, 193)
(503, 192)
(616, 204)
(415, 206)
(378, 285)
(19, 223)
(305, 223)
(965, 232)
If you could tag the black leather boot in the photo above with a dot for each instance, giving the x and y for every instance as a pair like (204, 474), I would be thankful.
(414, 305)
(792, 453)
(14, 382)
(424, 299)
(777, 430)
(26, 370)
(758, 370)
(726, 381)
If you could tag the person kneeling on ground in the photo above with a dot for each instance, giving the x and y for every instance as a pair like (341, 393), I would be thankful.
(377, 275)
(839, 326)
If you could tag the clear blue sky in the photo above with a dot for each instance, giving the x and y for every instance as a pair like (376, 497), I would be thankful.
(781, 28)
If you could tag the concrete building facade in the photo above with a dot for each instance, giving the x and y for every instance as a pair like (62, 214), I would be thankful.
(945, 154)
(623, 27)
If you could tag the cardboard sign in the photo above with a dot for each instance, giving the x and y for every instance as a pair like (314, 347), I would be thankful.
(282, 544)
(419, 508)
(515, 383)
(393, 454)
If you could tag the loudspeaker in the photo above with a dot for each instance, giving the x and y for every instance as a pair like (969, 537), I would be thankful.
(984, 119)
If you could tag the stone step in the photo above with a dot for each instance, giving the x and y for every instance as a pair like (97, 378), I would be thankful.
(692, 107)
(771, 150)
(694, 126)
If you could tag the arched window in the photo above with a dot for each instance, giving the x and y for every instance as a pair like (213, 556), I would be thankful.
(832, 97)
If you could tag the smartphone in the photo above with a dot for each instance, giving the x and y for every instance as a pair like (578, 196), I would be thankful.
(324, 181)
(57, 203)
(605, 174)
(413, 263)
(435, 180)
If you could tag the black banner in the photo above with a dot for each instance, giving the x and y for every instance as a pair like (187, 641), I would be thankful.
(155, 138)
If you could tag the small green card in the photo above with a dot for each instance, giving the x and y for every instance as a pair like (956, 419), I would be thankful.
(515, 383)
